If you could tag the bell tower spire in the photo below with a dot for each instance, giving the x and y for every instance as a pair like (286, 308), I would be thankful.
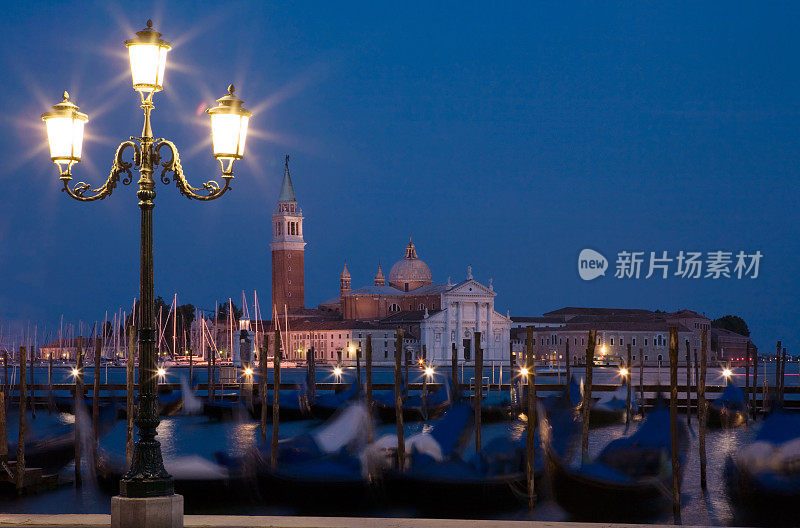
(288, 249)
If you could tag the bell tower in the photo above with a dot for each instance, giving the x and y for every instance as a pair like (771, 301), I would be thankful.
(288, 250)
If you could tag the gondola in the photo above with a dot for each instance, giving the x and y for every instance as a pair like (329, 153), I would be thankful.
(415, 407)
(763, 478)
(496, 408)
(226, 410)
(565, 400)
(55, 450)
(629, 480)
(610, 408)
(325, 405)
(323, 464)
(293, 405)
(440, 478)
(169, 403)
(203, 483)
(729, 410)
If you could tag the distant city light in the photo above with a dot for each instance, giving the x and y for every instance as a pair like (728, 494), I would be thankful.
(75, 372)
(727, 373)
(429, 371)
(623, 371)
(161, 372)
(524, 371)
(248, 371)
(337, 371)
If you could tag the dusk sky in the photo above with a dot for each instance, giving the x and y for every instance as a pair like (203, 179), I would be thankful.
(506, 136)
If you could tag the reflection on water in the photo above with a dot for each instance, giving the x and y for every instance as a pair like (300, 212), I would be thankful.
(184, 435)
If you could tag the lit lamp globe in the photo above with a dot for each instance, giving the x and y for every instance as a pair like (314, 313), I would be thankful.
(65, 133)
(148, 55)
(229, 120)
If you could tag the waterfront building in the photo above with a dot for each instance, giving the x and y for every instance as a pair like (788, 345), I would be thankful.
(646, 331)
(66, 349)
(729, 346)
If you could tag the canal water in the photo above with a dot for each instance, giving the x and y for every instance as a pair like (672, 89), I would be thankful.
(183, 436)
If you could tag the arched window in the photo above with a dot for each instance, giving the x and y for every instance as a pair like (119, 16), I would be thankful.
(421, 306)
(394, 307)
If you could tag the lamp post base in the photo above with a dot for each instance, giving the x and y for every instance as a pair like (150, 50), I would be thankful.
(152, 512)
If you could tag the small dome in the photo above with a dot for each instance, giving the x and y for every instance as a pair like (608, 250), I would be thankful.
(410, 273)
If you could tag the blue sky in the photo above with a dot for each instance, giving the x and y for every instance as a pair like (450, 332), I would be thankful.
(506, 137)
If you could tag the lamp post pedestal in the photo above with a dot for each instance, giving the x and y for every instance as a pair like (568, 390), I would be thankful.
(152, 512)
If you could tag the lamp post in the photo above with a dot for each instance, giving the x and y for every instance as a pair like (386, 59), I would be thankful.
(148, 57)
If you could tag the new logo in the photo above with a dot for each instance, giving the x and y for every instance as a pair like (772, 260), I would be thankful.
(591, 264)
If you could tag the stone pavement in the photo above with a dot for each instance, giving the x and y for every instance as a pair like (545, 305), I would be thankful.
(247, 521)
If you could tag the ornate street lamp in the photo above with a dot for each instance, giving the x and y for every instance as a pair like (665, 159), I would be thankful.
(148, 57)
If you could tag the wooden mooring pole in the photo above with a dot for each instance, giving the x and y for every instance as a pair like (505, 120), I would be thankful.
(5, 375)
(673, 423)
(31, 392)
(641, 381)
(358, 369)
(478, 389)
(424, 382)
(262, 386)
(212, 379)
(78, 409)
(3, 434)
(531, 413)
(406, 355)
(454, 371)
(276, 391)
(311, 372)
(755, 381)
(688, 384)
(191, 367)
(567, 364)
(587, 396)
(398, 400)
(50, 395)
(98, 349)
(368, 361)
(777, 373)
(701, 406)
(747, 376)
(23, 396)
(783, 374)
(628, 383)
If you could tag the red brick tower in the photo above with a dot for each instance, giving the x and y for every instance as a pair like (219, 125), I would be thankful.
(288, 249)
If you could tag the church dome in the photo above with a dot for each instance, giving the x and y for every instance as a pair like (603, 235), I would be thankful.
(410, 273)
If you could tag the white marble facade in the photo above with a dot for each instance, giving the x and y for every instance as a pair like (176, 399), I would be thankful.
(467, 307)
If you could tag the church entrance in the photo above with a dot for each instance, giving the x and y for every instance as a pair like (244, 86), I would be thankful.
(467, 350)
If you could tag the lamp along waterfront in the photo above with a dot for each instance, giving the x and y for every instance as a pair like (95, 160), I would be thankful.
(65, 127)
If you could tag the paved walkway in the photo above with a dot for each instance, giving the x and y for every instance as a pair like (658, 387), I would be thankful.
(246, 521)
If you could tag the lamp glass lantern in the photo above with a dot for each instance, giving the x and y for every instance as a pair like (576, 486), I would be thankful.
(148, 56)
(229, 122)
(64, 126)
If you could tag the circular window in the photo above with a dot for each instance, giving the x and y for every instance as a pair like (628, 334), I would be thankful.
(289, 281)
(288, 255)
(289, 268)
